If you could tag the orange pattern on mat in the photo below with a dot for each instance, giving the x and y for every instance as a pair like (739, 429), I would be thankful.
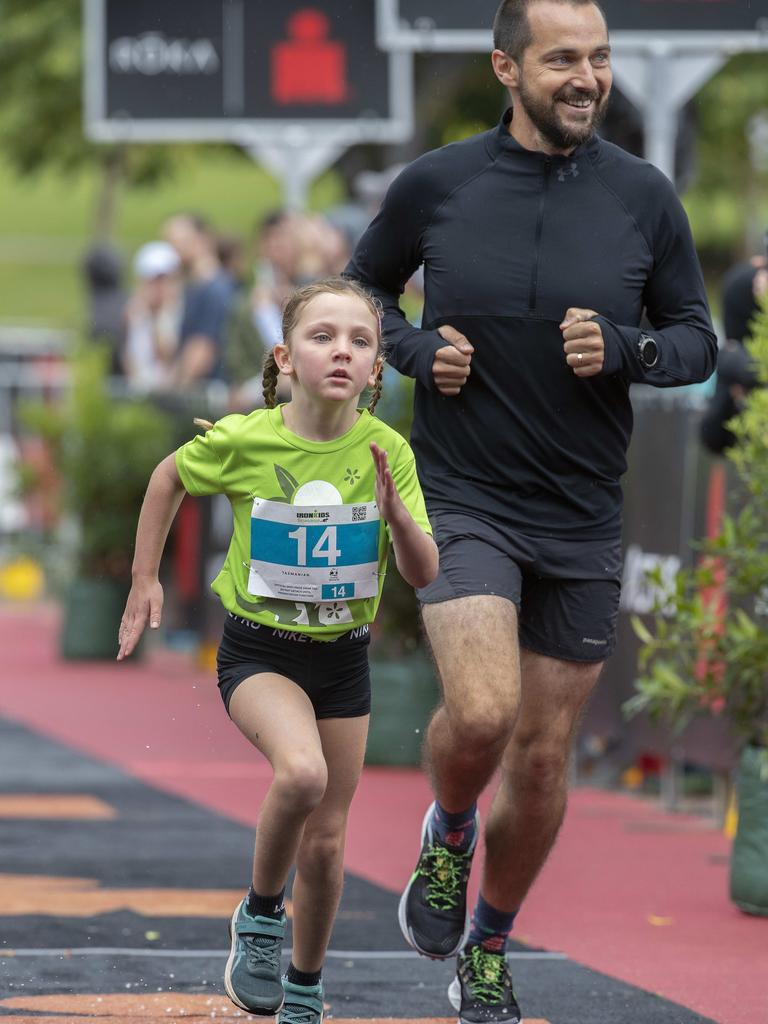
(84, 897)
(172, 1007)
(50, 806)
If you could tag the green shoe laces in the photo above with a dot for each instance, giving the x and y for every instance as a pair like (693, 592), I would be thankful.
(486, 975)
(443, 871)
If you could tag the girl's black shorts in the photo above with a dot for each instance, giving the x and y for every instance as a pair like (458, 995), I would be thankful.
(333, 674)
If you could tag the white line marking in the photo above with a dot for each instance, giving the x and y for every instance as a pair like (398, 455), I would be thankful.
(332, 954)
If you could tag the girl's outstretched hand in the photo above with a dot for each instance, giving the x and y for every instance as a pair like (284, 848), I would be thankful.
(145, 604)
(388, 500)
(415, 551)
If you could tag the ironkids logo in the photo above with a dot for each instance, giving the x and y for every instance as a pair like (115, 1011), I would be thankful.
(314, 515)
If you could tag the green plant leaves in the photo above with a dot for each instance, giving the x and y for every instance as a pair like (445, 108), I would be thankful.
(706, 651)
(104, 450)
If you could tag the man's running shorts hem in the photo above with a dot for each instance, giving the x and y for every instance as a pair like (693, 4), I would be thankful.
(562, 653)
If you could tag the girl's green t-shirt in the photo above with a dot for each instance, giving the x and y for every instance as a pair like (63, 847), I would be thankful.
(305, 522)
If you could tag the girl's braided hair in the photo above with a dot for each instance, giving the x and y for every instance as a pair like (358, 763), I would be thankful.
(269, 380)
(291, 313)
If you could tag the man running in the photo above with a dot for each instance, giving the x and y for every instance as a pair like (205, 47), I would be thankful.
(542, 247)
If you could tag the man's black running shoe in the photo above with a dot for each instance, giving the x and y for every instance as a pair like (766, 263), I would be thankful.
(433, 909)
(482, 989)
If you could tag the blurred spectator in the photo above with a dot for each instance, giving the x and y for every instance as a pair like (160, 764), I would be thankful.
(254, 325)
(743, 286)
(323, 248)
(233, 258)
(371, 186)
(208, 297)
(290, 249)
(293, 249)
(153, 319)
(350, 220)
(106, 297)
(278, 249)
(741, 290)
(244, 352)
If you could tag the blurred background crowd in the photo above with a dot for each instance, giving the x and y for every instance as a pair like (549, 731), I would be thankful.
(196, 309)
(199, 306)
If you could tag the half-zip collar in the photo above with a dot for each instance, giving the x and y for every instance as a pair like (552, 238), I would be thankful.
(501, 142)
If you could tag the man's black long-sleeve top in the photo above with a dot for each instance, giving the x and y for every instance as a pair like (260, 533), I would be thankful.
(509, 240)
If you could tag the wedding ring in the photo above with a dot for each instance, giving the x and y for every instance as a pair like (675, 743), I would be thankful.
(579, 356)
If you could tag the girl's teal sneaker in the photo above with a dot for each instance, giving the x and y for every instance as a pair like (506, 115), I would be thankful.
(252, 976)
(303, 1004)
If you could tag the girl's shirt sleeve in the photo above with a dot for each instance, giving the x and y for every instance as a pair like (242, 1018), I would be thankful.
(200, 465)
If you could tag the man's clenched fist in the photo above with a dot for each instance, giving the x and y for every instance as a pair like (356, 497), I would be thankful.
(584, 345)
(452, 362)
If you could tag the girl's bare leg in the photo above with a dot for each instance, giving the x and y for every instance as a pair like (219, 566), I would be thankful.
(277, 717)
(320, 858)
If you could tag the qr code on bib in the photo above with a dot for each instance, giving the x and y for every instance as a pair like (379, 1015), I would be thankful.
(359, 513)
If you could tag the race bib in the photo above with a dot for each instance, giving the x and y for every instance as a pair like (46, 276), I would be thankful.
(314, 552)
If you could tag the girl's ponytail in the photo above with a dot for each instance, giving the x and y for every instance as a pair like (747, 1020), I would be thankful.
(269, 380)
(376, 389)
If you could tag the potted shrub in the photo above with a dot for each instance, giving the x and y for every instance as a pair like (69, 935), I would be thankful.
(104, 450)
(706, 651)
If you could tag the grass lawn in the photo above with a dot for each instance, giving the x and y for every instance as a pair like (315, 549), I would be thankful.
(45, 224)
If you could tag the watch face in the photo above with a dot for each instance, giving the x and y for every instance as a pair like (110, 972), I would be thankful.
(649, 351)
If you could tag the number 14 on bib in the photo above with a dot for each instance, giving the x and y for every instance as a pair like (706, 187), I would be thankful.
(314, 553)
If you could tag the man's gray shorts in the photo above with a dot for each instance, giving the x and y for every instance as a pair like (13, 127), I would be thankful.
(566, 591)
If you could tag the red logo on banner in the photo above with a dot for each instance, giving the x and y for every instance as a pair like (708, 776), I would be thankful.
(309, 68)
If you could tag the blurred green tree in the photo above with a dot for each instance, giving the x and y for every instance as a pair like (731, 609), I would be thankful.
(728, 200)
(726, 105)
(41, 119)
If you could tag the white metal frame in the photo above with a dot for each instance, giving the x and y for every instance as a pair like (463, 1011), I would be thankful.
(393, 33)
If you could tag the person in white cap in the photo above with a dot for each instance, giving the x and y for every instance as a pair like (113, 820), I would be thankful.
(153, 318)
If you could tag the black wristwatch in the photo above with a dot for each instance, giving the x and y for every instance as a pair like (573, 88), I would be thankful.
(647, 351)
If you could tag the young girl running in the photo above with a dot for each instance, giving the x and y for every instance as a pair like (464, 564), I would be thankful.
(318, 490)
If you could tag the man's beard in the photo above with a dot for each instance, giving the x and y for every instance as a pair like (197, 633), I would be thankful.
(544, 117)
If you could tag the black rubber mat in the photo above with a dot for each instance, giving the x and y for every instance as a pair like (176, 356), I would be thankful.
(137, 902)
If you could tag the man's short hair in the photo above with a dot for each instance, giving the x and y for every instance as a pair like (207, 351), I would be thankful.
(511, 28)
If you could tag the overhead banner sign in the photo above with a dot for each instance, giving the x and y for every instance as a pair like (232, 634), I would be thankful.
(458, 25)
(240, 70)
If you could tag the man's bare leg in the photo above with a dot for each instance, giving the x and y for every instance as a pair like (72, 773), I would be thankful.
(474, 644)
(529, 805)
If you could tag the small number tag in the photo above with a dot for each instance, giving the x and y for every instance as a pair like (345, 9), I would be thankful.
(338, 592)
